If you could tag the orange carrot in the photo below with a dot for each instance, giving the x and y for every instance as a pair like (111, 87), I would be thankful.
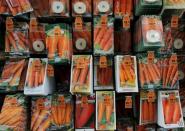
(108, 111)
(83, 75)
(170, 68)
(60, 44)
(30, 78)
(141, 75)
(117, 6)
(128, 7)
(100, 35)
(169, 109)
(61, 113)
(174, 70)
(151, 111)
(34, 118)
(69, 109)
(123, 6)
(101, 109)
(96, 32)
(177, 112)
(54, 112)
(76, 74)
(44, 125)
(16, 77)
(165, 69)
(106, 37)
(145, 111)
(7, 44)
(52, 46)
(109, 44)
(174, 79)
(12, 40)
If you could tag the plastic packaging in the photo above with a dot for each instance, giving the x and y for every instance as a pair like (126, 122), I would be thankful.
(82, 8)
(4, 9)
(37, 36)
(172, 7)
(59, 43)
(59, 8)
(40, 7)
(143, 7)
(102, 7)
(103, 35)
(148, 33)
(85, 112)
(62, 112)
(123, 7)
(122, 38)
(170, 75)
(19, 7)
(150, 74)
(103, 73)
(38, 80)
(148, 107)
(126, 74)
(11, 74)
(82, 38)
(13, 115)
(169, 110)
(16, 38)
(105, 110)
(81, 75)
(41, 113)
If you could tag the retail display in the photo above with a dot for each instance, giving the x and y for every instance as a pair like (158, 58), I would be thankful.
(87, 65)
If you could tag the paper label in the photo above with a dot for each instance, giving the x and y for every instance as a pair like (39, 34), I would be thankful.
(78, 23)
(151, 96)
(128, 102)
(126, 22)
(103, 62)
(104, 21)
(150, 57)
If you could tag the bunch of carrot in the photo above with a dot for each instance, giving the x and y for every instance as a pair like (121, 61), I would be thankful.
(103, 38)
(61, 113)
(65, 11)
(58, 42)
(149, 73)
(40, 7)
(84, 114)
(16, 41)
(4, 9)
(13, 113)
(82, 34)
(97, 11)
(11, 73)
(36, 73)
(104, 76)
(148, 112)
(41, 119)
(127, 74)
(171, 110)
(104, 114)
(123, 7)
(19, 6)
(169, 73)
(87, 4)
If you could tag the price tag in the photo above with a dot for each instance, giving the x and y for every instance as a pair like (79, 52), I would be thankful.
(173, 59)
(128, 102)
(84, 101)
(107, 100)
(172, 97)
(174, 21)
(78, 23)
(37, 65)
(61, 101)
(104, 20)
(50, 71)
(151, 96)
(126, 22)
(40, 104)
(33, 24)
(9, 24)
(103, 62)
(150, 58)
